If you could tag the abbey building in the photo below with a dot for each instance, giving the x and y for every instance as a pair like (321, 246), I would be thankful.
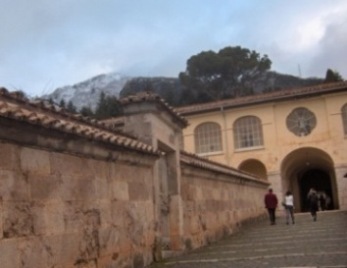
(294, 139)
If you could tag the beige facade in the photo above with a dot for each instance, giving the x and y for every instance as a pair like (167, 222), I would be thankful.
(296, 139)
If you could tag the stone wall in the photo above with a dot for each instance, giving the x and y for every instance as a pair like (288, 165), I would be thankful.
(341, 175)
(62, 210)
(216, 204)
(75, 193)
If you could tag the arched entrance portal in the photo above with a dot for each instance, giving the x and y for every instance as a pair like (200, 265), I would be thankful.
(307, 168)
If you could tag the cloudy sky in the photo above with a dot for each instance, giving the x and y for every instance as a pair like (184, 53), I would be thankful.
(48, 44)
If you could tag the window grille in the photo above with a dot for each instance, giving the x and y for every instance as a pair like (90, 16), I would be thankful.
(301, 121)
(248, 132)
(208, 138)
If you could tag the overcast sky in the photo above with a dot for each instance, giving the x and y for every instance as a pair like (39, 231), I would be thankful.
(48, 44)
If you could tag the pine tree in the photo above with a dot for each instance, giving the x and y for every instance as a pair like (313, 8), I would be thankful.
(86, 111)
(70, 107)
(332, 76)
(107, 106)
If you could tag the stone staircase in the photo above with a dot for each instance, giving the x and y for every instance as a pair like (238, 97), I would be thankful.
(306, 244)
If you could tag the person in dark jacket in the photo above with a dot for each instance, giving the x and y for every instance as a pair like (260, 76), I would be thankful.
(271, 202)
(313, 200)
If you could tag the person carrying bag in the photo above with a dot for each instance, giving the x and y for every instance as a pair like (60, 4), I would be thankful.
(288, 204)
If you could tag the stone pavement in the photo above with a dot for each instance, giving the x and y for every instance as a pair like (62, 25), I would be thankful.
(306, 244)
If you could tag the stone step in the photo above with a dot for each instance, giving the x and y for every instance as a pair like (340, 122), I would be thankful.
(308, 243)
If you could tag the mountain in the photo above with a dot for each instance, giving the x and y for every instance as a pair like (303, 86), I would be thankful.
(271, 81)
(174, 93)
(169, 88)
(87, 93)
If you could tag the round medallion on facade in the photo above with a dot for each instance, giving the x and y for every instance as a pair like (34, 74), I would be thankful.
(301, 121)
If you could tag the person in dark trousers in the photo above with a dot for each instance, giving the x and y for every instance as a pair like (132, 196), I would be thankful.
(271, 202)
(313, 200)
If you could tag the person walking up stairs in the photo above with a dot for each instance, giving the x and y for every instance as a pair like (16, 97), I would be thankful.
(313, 199)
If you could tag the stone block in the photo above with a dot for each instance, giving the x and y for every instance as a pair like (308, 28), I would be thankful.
(74, 188)
(39, 221)
(109, 240)
(64, 248)
(176, 243)
(149, 211)
(138, 191)
(35, 252)
(1, 219)
(35, 161)
(85, 188)
(149, 239)
(9, 253)
(48, 218)
(13, 186)
(69, 164)
(9, 157)
(216, 194)
(123, 172)
(105, 209)
(120, 190)
(17, 219)
(109, 261)
(86, 264)
(117, 212)
(44, 187)
(99, 169)
(75, 216)
(103, 188)
(199, 195)
(125, 246)
(191, 193)
(195, 226)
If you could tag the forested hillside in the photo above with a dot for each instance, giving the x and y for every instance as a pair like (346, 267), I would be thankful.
(174, 92)
(231, 72)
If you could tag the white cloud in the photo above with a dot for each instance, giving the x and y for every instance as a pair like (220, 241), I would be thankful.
(46, 44)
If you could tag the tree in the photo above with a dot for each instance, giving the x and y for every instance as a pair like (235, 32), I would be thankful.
(86, 111)
(107, 106)
(167, 88)
(332, 76)
(70, 107)
(62, 103)
(231, 72)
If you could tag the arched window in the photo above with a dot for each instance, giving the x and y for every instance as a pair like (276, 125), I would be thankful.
(248, 132)
(344, 118)
(208, 138)
(254, 167)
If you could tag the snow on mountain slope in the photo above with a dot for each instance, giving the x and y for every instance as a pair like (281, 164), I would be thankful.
(87, 93)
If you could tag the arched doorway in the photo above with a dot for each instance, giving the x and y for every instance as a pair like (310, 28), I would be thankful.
(254, 167)
(320, 181)
(307, 168)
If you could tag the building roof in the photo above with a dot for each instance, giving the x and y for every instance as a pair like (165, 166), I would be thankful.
(282, 95)
(41, 113)
(151, 97)
(197, 161)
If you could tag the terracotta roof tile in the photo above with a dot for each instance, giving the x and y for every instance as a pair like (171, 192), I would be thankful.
(264, 97)
(16, 107)
(151, 97)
